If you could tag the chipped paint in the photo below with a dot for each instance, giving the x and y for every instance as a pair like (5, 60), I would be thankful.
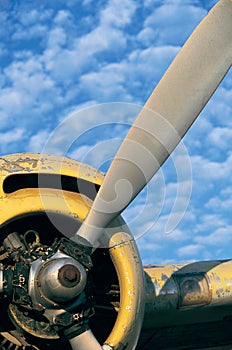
(194, 290)
(188, 286)
(37, 163)
(28, 200)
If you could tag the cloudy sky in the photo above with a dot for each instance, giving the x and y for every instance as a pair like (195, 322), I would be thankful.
(73, 77)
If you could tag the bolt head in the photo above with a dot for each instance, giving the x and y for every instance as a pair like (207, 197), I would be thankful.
(69, 276)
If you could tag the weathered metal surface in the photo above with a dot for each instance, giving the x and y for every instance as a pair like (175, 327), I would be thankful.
(47, 164)
(126, 260)
(188, 306)
(28, 200)
(161, 290)
(187, 289)
(69, 276)
(220, 279)
(35, 327)
(193, 289)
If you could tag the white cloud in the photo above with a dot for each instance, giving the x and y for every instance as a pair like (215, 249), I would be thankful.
(190, 250)
(32, 32)
(207, 170)
(152, 3)
(3, 52)
(101, 38)
(62, 17)
(113, 82)
(208, 222)
(12, 101)
(3, 120)
(118, 14)
(11, 139)
(37, 141)
(164, 22)
(109, 83)
(220, 204)
(30, 17)
(152, 246)
(89, 120)
(56, 38)
(152, 60)
(197, 137)
(221, 104)
(60, 59)
(97, 154)
(28, 94)
(30, 24)
(12, 136)
(147, 36)
(81, 50)
(220, 237)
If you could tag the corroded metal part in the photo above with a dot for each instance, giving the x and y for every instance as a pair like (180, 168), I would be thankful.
(49, 288)
(37, 328)
(12, 242)
(69, 276)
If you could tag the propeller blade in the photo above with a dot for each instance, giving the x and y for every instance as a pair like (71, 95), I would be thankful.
(85, 341)
(171, 109)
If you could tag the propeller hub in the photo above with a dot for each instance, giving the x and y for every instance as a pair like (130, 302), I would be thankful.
(59, 279)
(69, 276)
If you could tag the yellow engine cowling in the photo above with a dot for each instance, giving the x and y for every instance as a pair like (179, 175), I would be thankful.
(33, 186)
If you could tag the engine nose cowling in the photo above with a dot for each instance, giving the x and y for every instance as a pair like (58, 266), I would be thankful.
(51, 196)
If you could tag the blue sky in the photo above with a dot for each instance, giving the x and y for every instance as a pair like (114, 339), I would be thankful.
(73, 77)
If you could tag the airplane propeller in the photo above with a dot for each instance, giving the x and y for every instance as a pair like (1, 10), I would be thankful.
(171, 109)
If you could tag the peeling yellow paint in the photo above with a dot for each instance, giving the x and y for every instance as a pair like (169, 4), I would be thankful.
(28, 200)
(188, 285)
